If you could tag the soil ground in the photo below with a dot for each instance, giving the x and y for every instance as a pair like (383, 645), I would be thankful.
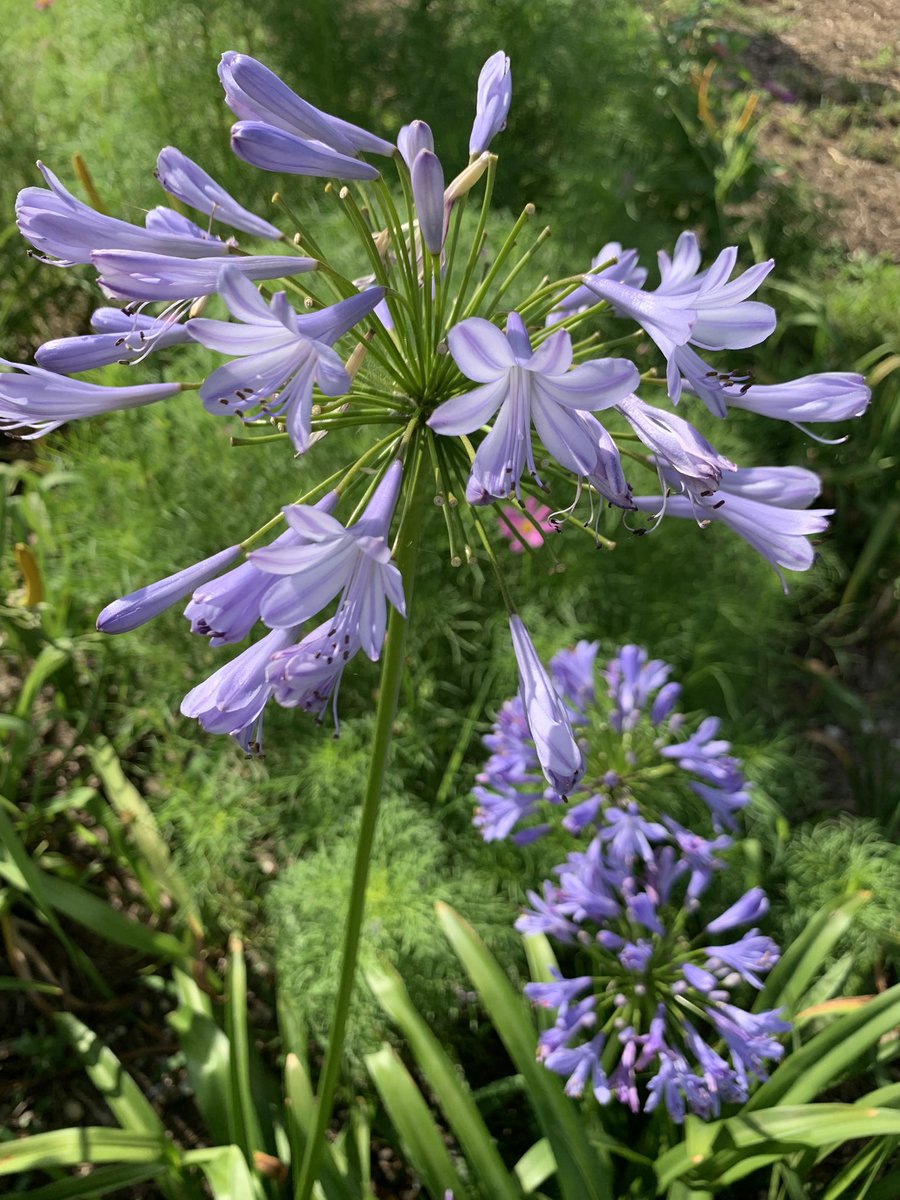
(833, 70)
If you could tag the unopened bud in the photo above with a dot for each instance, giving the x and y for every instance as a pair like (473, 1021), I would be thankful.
(428, 193)
(466, 179)
(412, 138)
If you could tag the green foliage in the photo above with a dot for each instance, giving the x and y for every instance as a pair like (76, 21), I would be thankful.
(409, 871)
(833, 859)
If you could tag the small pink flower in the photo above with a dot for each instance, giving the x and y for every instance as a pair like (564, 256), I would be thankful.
(530, 528)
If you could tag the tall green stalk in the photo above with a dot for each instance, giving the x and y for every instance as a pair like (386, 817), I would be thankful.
(406, 552)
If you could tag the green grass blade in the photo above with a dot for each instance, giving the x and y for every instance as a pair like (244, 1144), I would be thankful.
(584, 1171)
(245, 1131)
(869, 1160)
(536, 1166)
(138, 819)
(99, 1183)
(734, 1147)
(422, 1141)
(450, 1091)
(91, 1144)
(827, 1056)
(226, 1172)
(300, 1109)
(126, 1101)
(206, 1051)
(802, 960)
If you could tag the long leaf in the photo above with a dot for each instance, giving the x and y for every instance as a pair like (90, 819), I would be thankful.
(802, 960)
(867, 1161)
(99, 1183)
(207, 1054)
(126, 1101)
(95, 914)
(140, 823)
(245, 1131)
(300, 1109)
(774, 1131)
(584, 1172)
(226, 1172)
(451, 1093)
(422, 1141)
(835, 1050)
(91, 1144)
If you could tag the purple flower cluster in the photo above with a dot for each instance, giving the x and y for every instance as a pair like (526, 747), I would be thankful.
(630, 738)
(649, 1018)
(283, 585)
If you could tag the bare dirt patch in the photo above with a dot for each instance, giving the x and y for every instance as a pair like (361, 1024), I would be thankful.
(833, 70)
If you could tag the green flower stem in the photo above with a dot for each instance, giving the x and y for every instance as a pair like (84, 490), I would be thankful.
(502, 255)
(477, 240)
(408, 540)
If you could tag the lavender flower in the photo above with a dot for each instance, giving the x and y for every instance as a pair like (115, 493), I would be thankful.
(68, 231)
(492, 102)
(133, 275)
(118, 337)
(273, 149)
(688, 456)
(700, 307)
(41, 400)
(279, 351)
(189, 183)
(766, 506)
(232, 699)
(602, 893)
(412, 138)
(328, 559)
(526, 386)
(147, 602)
(548, 719)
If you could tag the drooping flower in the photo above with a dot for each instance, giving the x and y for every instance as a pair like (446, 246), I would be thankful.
(273, 149)
(68, 231)
(186, 181)
(766, 506)
(133, 275)
(527, 386)
(492, 101)
(280, 353)
(233, 698)
(328, 559)
(548, 719)
(118, 337)
(691, 460)
(39, 400)
(226, 607)
(830, 396)
(693, 306)
(138, 607)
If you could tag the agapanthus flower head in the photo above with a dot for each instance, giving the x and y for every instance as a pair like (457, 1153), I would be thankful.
(645, 986)
(641, 758)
